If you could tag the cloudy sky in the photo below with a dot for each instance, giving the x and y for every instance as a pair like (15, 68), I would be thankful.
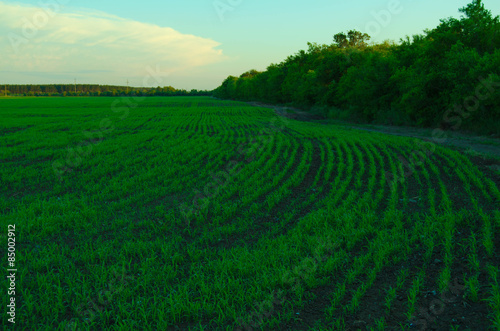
(187, 44)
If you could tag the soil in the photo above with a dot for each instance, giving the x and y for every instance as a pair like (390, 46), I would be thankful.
(434, 310)
(488, 146)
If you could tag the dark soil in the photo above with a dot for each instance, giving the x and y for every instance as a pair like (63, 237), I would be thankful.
(433, 310)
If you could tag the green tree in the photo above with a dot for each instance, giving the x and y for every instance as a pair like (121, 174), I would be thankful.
(353, 38)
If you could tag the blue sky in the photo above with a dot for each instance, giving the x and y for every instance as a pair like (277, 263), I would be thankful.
(187, 44)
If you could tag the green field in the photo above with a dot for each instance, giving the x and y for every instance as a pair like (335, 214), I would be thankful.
(193, 213)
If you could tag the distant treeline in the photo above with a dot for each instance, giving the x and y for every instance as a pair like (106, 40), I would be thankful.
(448, 77)
(95, 90)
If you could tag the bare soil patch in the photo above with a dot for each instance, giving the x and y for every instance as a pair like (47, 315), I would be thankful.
(469, 143)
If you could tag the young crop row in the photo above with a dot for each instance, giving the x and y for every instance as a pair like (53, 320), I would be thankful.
(227, 216)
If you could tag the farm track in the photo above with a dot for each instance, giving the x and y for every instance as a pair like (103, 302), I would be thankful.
(489, 146)
(222, 215)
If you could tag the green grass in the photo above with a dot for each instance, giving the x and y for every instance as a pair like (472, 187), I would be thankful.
(190, 212)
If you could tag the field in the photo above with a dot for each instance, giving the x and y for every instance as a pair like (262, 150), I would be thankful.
(192, 213)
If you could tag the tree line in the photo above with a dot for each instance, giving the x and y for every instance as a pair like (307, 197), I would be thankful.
(94, 90)
(447, 77)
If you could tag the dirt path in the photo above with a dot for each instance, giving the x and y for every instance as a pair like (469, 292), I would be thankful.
(485, 150)
(488, 146)
(485, 146)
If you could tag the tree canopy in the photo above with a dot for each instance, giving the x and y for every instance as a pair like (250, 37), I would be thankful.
(447, 77)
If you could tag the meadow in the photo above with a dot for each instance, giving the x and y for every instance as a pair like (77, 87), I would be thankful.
(192, 213)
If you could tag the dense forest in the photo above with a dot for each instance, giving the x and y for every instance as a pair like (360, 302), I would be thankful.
(94, 90)
(447, 77)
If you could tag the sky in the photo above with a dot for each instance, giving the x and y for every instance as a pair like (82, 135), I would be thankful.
(190, 44)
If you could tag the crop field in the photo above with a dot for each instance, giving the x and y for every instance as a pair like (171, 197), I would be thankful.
(192, 213)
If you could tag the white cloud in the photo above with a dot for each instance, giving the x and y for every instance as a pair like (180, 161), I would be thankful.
(95, 45)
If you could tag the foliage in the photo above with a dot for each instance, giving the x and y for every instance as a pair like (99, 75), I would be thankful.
(425, 80)
(95, 90)
(352, 39)
(189, 213)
